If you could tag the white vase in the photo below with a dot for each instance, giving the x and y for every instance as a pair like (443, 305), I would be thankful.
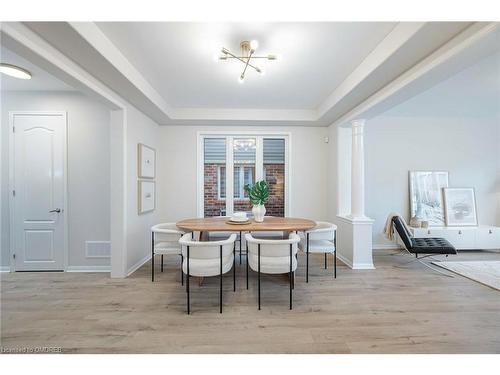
(259, 211)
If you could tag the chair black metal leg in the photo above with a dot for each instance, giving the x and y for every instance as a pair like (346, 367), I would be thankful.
(258, 268)
(290, 276)
(152, 256)
(335, 255)
(234, 267)
(240, 247)
(187, 282)
(161, 262)
(307, 259)
(182, 272)
(335, 264)
(326, 263)
(220, 281)
(247, 267)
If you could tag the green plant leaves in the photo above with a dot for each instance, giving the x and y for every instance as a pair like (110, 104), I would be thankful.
(258, 193)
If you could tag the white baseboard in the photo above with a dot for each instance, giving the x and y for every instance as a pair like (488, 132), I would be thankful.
(88, 269)
(357, 266)
(385, 246)
(346, 261)
(4, 269)
(138, 265)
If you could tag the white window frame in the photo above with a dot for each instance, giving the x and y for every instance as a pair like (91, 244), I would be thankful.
(241, 178)
(259, 165)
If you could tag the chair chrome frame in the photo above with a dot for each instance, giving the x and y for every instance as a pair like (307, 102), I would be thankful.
(420, 259)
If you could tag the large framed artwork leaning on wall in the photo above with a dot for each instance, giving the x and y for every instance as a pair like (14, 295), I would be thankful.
(426, 197)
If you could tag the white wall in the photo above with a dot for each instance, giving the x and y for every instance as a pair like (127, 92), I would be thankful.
(88, 168)
(454, 127)
(307, 173)
(141, 129)
(466, 148)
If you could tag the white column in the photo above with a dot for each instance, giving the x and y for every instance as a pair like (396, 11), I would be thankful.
(357, 170)
(355, 230)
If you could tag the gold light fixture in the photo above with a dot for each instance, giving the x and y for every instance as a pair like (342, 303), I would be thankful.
(246, 57)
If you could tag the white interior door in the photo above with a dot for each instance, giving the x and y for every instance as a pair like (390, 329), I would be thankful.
(38, 196)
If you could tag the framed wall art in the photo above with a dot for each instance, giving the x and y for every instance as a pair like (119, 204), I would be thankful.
(146, 161)
(146, 196)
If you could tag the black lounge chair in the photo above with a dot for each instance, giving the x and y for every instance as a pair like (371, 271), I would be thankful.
(426, 247)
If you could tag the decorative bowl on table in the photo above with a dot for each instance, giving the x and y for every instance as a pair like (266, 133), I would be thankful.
(239, 218)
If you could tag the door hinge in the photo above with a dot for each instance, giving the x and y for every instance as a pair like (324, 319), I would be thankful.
(13, 193)
(13, 129)
(14, 256)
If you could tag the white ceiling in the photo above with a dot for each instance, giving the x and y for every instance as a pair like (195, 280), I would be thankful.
(329, 72)
(177, 59)
(40, 81)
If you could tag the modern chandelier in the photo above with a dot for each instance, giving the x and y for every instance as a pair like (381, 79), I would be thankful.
(246, 58)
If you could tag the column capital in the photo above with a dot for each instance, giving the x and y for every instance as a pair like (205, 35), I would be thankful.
(358, 123)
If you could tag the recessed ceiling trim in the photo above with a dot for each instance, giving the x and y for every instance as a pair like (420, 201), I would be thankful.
(414, 76)
(244, 114)
(207, 116)
(400, 35)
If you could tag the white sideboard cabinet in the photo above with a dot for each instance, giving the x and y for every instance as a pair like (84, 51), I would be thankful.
(464, 238)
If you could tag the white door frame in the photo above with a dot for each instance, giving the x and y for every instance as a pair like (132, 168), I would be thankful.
(12, 182)
(229, 135)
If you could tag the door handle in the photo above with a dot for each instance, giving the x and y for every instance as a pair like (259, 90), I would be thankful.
(56, 210)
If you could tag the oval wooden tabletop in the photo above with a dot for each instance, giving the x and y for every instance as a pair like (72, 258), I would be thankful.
(220, 224)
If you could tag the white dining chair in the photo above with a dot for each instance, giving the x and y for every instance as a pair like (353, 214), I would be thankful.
(272, 257)
(208, 258)
(165, 241)
(218, 236)
(320, 239)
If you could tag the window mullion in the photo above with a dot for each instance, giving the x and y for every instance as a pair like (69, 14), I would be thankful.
(242, 182)
(229, 177)
(259, 159)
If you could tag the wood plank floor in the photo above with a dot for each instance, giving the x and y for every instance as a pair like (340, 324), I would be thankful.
(388, 310)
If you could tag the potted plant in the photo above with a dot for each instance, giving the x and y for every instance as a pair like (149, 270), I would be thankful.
(258, 195)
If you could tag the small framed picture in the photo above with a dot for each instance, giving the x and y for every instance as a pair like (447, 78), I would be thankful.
(146, 196)
(460, 206)
(146, 161)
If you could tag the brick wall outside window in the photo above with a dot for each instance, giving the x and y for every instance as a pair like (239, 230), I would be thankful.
(275, 177)
(213, 206)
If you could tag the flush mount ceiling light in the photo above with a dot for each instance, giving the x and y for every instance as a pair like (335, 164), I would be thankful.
(247, 55)
(14, 71)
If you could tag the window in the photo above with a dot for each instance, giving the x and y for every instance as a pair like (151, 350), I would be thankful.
(242, 176)
(230, 163)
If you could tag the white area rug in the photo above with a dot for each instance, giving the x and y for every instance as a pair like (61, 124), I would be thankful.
(484, 272)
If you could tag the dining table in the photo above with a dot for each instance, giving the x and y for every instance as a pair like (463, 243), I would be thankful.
(206, 225)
